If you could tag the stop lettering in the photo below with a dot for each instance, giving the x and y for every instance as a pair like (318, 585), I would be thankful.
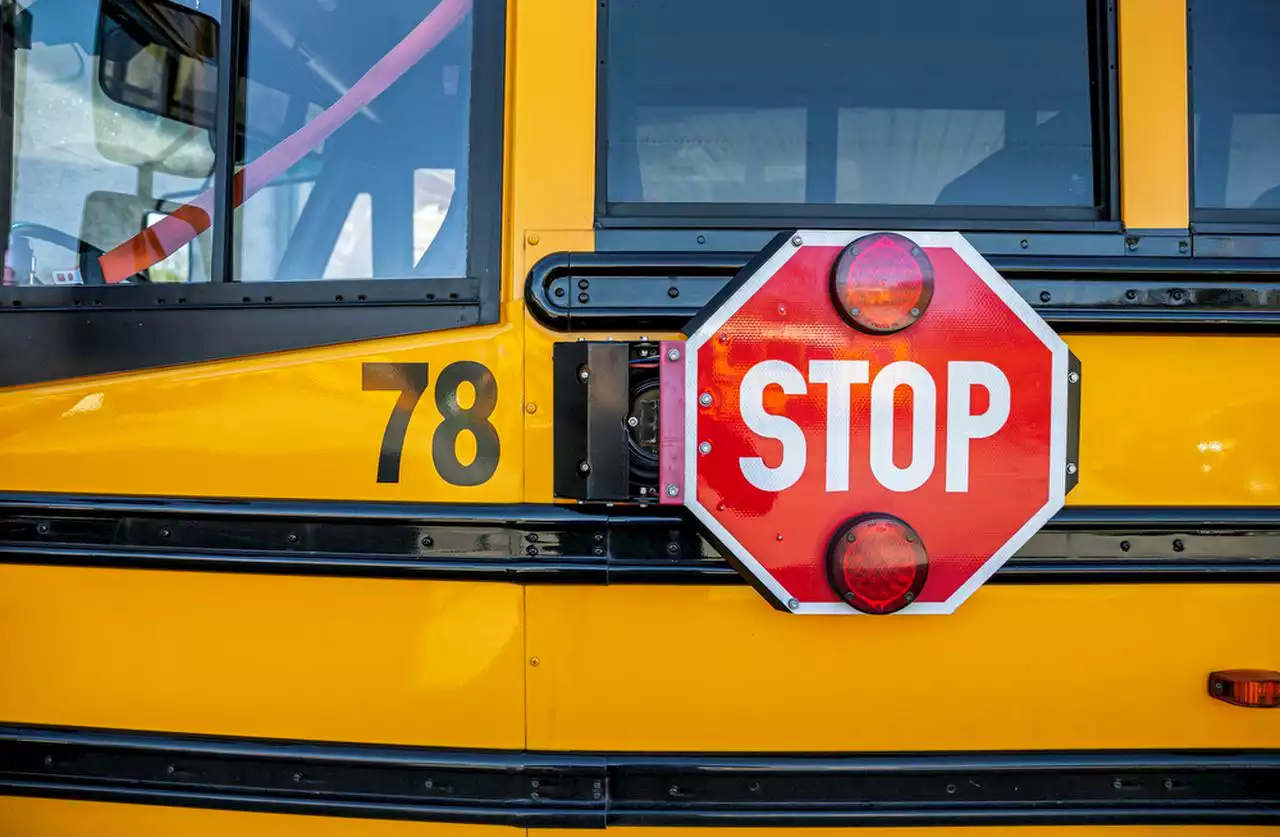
(876, 431)
(874, 422)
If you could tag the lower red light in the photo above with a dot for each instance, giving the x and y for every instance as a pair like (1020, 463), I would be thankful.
(877, 564)
(882, 283)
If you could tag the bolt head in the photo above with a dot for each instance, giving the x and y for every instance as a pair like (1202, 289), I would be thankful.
(584, 373)
(853, 312)
(531, 408)
(673, 490)
(1071, 467)
(705, 399)
(704, 448)
(915, 312)
(632, 421)
(794, 604)
(673, 354)
(796, 241)
(584, 467)
(1074, 377)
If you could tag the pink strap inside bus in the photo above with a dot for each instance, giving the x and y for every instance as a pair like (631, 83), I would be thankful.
(175, 231)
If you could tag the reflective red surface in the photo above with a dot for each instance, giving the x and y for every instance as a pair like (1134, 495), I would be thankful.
(792, 319)
(878, 564)
(882, 282)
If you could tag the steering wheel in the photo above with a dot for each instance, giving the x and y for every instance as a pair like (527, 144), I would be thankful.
(90, 272)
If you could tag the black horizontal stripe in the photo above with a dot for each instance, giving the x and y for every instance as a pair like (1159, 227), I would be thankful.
(572, 544)
(596, 790)
(665, 290)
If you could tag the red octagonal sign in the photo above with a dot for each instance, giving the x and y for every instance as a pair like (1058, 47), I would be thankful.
(873, 422)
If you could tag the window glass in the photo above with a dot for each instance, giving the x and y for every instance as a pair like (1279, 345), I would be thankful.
(915, 102)
(351, 153)
(109, 105)
(348, 100)
(1236, 91)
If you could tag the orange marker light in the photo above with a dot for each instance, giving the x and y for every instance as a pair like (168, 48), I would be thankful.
(1254, 688)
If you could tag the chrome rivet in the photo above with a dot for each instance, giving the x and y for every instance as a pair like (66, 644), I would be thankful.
(1074, 377)
(796, 241)
(673, 354)
(583, 373)
(704, 448)
(853, 312)
(1071, 467)
(673, 490)
(632, 421)
(584, 467)
(793, 603)
(915, 312)
(705, 399)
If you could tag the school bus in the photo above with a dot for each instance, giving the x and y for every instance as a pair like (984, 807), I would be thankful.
(295, 533)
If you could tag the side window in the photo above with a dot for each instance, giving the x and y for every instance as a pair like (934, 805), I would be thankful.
(352, 144)
(928, 106)
(1235, 88)
(112, 113)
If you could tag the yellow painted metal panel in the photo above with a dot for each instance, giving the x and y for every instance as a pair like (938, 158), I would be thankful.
(291, 425)
(1028, 667)
(341, 659)
(1178, 421)
(551, 131)
(57, 818)
(1154, 187)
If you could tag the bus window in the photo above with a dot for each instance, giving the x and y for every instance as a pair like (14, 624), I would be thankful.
(1236, 99)
(920, 103)
(363, 210)
(92, 151)
(352, 141)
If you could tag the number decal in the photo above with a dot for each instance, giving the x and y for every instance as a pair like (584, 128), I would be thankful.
(475, 419)
(411, 381)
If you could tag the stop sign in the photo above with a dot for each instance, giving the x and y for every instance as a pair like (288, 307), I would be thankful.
(872, 422)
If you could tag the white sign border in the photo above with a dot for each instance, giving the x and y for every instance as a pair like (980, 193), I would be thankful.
(1019, 306)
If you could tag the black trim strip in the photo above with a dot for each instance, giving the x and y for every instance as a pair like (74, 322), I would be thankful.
(598, 790)
(581, 544)
(655, 290)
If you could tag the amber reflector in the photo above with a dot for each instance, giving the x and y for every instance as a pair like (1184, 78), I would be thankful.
(1246, 687)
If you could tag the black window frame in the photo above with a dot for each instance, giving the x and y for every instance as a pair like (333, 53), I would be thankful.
(94, 329)
(1103, 217)
(1218, 220)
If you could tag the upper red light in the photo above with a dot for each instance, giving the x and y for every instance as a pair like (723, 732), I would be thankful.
(882, 283)
(877, 564)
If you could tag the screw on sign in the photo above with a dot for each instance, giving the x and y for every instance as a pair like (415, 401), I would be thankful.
(875, 422)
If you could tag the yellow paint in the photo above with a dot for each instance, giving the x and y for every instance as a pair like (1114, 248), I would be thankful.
(292, 425)
(57, 818)
(1154, 187)
(1178, 421)
(338, 659)
(551, 132)
(1028, 667)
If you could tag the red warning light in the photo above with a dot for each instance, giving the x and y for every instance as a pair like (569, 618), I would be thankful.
(882, 283)
(877, 564)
